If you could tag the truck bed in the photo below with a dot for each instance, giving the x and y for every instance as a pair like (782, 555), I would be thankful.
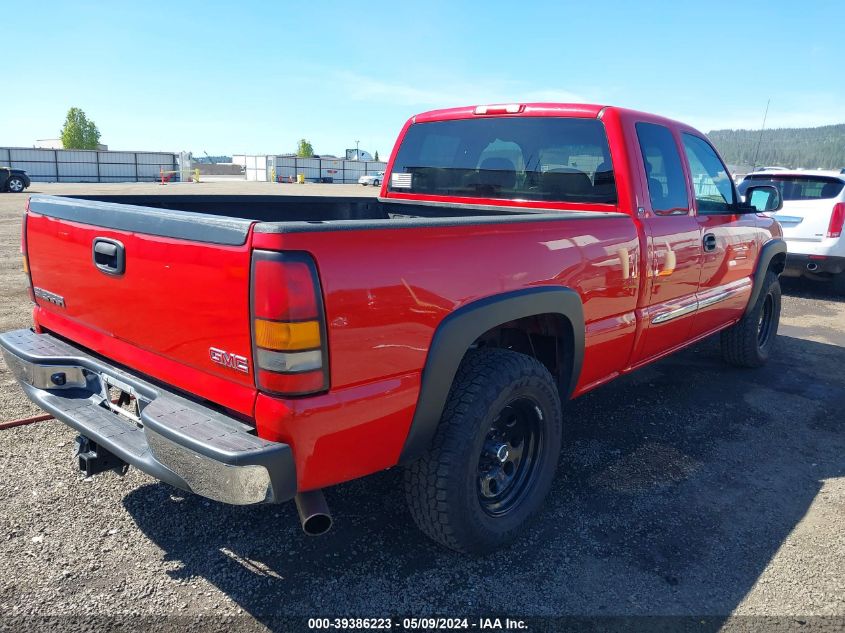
(188, 260)
(285, 208)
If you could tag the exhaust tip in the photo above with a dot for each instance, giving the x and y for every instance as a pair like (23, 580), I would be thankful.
(314, 515)
(812, 267)
(317, 524)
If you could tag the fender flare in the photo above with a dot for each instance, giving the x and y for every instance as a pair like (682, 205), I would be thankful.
(457, 332)
(770, 250)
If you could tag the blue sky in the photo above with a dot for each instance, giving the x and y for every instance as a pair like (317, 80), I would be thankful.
(253, 77)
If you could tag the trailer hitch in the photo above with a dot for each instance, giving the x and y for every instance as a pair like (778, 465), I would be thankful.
(94, 459)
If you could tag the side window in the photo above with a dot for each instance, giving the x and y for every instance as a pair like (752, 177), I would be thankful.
(667, 186)
(714, 191)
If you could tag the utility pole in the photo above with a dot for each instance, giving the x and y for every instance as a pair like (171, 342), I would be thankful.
(357, 153)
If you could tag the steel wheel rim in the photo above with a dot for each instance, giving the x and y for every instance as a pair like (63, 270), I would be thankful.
(764, 325)
(509, 460)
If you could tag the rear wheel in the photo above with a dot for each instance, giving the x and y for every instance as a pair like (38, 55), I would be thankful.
(494, 455)
(15, 184)
(749, 343)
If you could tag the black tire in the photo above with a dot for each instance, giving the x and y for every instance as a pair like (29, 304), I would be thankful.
(838, 283)
(15, 184)
(450, 490)
(376, 183)
(749, 342)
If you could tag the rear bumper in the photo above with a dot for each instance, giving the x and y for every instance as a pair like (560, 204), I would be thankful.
(175, 440)
(798, 264)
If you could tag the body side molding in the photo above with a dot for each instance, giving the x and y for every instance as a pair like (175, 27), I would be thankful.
(457, 332)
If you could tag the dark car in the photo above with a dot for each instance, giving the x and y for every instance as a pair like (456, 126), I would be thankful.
(13, 180)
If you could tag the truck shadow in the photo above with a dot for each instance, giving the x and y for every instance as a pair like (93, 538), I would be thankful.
(677, 486)
(809, 289)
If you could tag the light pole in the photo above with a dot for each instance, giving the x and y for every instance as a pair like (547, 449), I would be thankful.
(357, 153)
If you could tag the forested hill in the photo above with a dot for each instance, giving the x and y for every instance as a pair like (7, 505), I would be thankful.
(810, 147)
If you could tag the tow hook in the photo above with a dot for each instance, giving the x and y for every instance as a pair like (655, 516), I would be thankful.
(94, 459)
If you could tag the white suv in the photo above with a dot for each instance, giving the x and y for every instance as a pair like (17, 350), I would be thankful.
(812, 217)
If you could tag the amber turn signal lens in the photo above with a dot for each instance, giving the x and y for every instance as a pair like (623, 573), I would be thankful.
(287, 336)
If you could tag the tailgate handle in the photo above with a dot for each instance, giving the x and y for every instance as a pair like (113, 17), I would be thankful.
(109, 256)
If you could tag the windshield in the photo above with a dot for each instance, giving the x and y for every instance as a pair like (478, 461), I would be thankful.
(794, 187)
(528, 158)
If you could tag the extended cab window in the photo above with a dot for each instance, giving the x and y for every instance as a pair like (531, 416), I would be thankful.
(521, 158)
(714, 190)
(667, 186)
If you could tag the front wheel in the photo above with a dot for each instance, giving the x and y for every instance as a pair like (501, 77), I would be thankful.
(493, 458)
(750, 341)
(376, 183)
(15, 184)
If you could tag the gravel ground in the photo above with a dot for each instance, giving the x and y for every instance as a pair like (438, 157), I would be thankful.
(687, 488)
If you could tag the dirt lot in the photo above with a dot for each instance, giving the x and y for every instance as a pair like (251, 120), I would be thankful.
(688, 488)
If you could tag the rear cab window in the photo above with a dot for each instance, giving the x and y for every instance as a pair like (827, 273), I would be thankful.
(795, 187)
(554, 159)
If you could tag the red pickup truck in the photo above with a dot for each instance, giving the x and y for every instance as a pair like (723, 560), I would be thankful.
(261, 348)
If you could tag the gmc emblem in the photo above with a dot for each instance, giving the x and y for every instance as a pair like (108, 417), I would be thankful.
(232, 361)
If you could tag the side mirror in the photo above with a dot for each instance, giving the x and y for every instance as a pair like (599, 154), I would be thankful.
(763, 198)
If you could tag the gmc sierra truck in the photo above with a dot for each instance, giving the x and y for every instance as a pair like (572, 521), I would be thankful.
(258, 349)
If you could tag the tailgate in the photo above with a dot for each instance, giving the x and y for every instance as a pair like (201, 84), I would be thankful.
(178, 310)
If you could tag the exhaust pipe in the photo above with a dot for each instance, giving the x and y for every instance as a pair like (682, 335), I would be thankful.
(812, 267)
(313, 512)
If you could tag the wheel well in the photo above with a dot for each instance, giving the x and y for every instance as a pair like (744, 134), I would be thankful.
(546, 337)
(778, 263)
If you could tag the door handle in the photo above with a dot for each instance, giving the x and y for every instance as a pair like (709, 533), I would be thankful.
(710, 242)
(109, 256)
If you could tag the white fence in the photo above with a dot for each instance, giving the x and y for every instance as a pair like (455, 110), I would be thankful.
(64, 165)
(321, 169)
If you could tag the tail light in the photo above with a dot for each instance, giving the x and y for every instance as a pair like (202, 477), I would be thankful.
(290, 351)
(837, 219)
(25, 257)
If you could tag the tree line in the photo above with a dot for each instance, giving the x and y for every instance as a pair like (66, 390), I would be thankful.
(810, 148)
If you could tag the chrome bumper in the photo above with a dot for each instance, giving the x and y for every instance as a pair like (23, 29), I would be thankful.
(173, 439)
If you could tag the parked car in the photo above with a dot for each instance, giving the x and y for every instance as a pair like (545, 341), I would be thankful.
(373, 179)
(770, 168)
(812, 218)
(519, 256)
(13, 180)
